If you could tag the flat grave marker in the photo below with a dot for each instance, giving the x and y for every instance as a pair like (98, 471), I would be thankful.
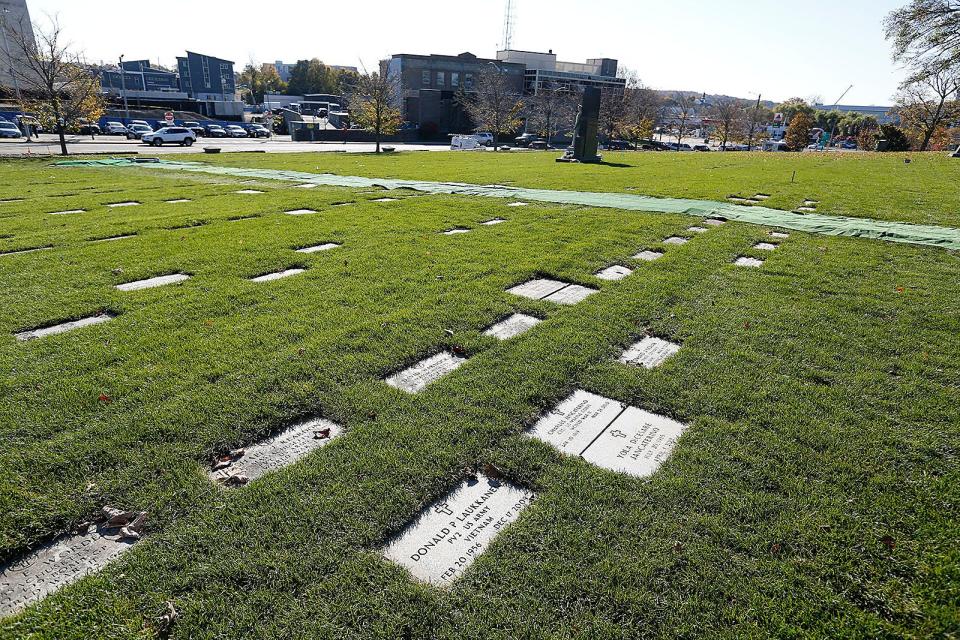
(697, 229)
(806, 209)
(269, 277)
(277, 451)
(576, 422)
(150, 283)
(177, 201)
(385, 200)
(60, 563)
(714, 222)
(447, 536)
(299, 212)
(34, 334)
(648, 256)
(609, 434)
(456, 231)
(676, 240)
(114, 205)
(537, 289)
(320, 247)
(552, 291)
(762, 196)
(416, 378)
(636, 443)
(570, 294)
(614, 272)
(248, 192)
(68, 212)
(306, 185)
(512, 327)
(780, 235)
(649, 352)
(765, 246)
(492, 222)
(744, 261)
(518, 204)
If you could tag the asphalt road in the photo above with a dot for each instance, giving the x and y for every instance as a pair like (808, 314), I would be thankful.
(48, 144)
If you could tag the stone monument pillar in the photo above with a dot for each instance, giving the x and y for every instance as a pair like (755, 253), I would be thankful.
(585, 132)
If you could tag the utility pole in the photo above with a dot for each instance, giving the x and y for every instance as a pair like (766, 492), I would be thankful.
(123, 90)
(6, 48)
(753, 123)
(835, 105)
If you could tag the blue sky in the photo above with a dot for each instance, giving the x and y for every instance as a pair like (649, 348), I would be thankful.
(737, 47)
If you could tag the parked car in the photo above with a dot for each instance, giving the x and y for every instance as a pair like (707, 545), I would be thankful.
(524, 139)
(618, 145)
(136, 131)
(216, 131)
(10, 130)
(538, 145)
(701, 147)
(236, 131)
(196, 128)
(179, 135)
(258, 131)
(143, 122)
(484, 138)
(90, 129)
(115, 129)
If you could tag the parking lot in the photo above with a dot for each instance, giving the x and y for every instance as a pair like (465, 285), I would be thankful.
(48, 144)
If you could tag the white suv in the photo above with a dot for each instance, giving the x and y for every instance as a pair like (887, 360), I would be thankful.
(484, 138)
(180, 135)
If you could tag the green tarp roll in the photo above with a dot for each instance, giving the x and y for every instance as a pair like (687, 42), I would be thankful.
(929, 235)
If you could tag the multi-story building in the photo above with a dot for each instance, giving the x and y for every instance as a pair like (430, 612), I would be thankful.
(14, 17)
(202, 84)
(210, 81)
(141, 81)
(430, 84)
(543, 70)
(283, 69)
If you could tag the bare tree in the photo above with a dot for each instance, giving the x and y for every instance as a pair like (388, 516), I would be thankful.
(924, 101)
(684, 105)
(644, 109)
(729, 116)
(553, 109)
(374, 104)
(56, 82)
(495, 106)
(925, 30)
(614, 109)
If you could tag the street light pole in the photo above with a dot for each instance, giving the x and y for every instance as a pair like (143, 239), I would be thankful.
(6, 48)
(123, 90)
(753, 124)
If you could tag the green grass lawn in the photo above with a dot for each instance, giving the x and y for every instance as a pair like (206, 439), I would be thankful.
(880, 186)
(815, 493)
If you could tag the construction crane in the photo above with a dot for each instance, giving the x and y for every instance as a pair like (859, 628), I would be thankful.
(508, 20)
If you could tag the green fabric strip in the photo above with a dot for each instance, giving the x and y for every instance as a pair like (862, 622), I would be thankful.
(928, 235)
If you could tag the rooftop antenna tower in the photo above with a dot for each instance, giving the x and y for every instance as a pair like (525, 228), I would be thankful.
(508, 20)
